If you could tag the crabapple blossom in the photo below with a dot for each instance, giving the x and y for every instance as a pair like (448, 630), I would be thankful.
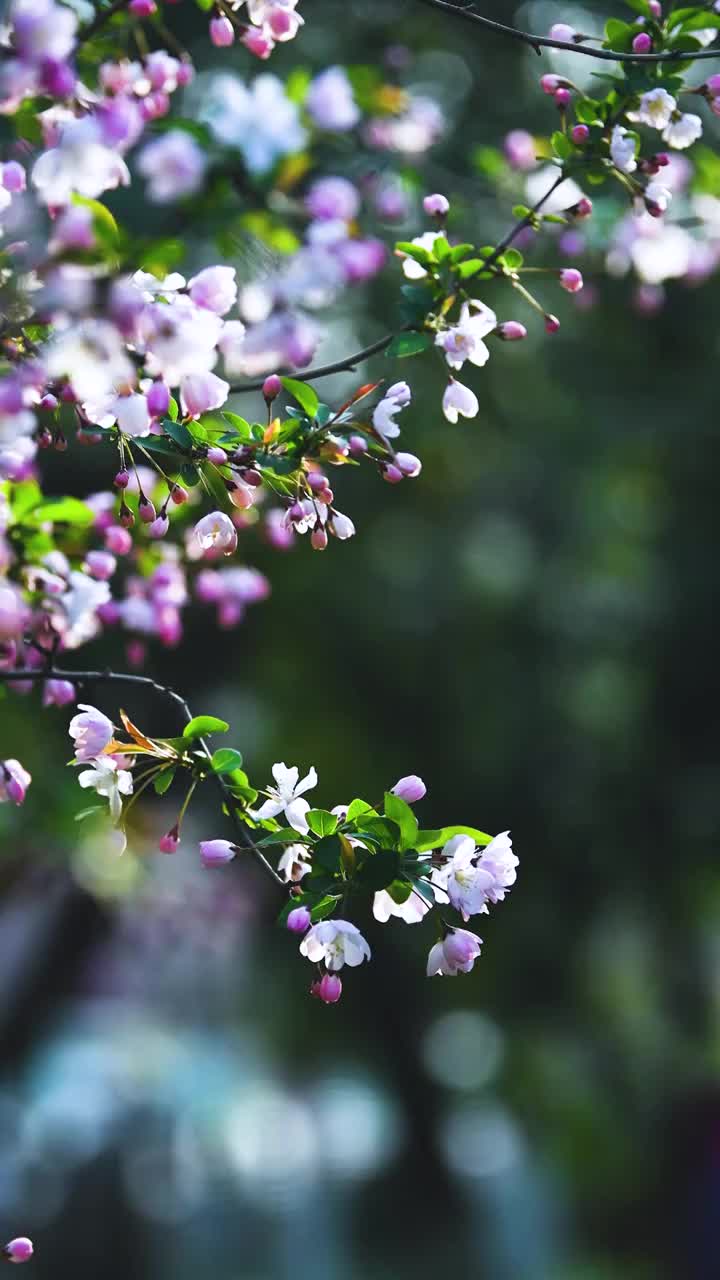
(410, 789)
(457, 953)
(110, 781)
(214, 288)
(459, 400)
(18, 1250)
(330, 101)
(91, 732)
(412, 910)
(285, 797)
(216, 853)
(622, 150)
(436, 206)
(216, 532)
(174, 166)
(656, 109)
(682, 131)
(299, 920)
(14, 781)
(397, 397)
(335, 943)
(464, 341)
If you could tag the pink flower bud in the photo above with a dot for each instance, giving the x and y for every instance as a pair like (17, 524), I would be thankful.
(561, 31)
(436, 206)
(158, 399)
(100, 565)
(179, 494)
(317, 481)
(655, 8)
(126, 518)
(18, 1250)
(146, 510)
(583, 208)
(272, 386)
(222, 32)
(563, 97)
(552, 324)
(550, 84)
(392, 474)
(319, 538)
(170, 841)
(118, 540)
(13, 177)
(511, 331)
(299, 920)
(14, 781)
(217, 455)
(142, 8)
(159, 527)
(408, 464)
(122, 480)
(49, 403)
(358, 445)
(642, 43)
(409, 789)
(579, 134)
(216, 853)
(571, 280)
(330, 988)
(712, 84)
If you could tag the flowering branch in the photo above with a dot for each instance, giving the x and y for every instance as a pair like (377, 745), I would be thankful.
(538, 43)
(83, 678)
(347, 365)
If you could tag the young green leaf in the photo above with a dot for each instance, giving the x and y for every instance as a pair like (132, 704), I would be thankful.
(225, 760)
(200, 725)
(303, 393)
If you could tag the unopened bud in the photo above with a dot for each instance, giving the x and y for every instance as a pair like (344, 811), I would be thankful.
(272, 386)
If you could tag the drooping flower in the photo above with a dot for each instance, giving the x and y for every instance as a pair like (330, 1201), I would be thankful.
(336, 943)
(216, 532)
(14, 781)
(655, 109)
(217, 853)
(459, 399)
(412, 910)
(284, 797)
(464, 341)
(622, 150)
(397, 397)
(457, 953)
(91, 731)
(109, 780)
(682, 131)
(410, 789)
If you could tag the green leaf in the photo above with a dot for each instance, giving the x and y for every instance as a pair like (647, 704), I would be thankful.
(163, 782)
(239, 784)
(513, 259)
(402, 814)
(383, 830)
(327, 853)
(379, 870)
(200, 725)
(324, 907)
(427, 840)
(285, 835)
(470, 268)
(86, 813)
(561, 145)
(240, 424)
(409, 344)
(304, 394)
(178, 432)
(173, 410)
(400, 891)
(61, 511)
(225, 760)
(358, 807)
(321, 822)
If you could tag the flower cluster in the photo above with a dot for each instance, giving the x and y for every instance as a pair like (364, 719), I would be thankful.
(330, 860)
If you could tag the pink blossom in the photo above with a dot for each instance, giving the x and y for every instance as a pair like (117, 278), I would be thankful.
(457, 953)
(217, 853)
(91, 731)
(14, 781)
(410, 789)
(200, 392)
(18, 1250)
(214, 288)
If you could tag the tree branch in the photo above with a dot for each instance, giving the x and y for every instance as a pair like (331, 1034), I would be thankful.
(80, 678)
(324, 370)
(538, 43)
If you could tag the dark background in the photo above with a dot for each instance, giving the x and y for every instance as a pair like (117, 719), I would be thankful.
(530, 627)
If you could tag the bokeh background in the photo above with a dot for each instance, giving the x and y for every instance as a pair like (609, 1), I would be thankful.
(531, 627)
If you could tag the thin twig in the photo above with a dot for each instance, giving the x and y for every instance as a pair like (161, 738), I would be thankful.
(146, 682)
(324, 370)
(538, 43)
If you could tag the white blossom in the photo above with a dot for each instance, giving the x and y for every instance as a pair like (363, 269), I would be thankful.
(622, 150)
(464, 341)
(336, 943)
(110, 781)
(284, 797)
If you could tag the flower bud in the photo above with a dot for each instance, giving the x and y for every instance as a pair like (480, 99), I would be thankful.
(126, 517)
(511, 331)
(170, 841)
(222, 32)
(642, 43)
(436, 206)
(317, 481)
(319, 538)
(571, 280)
(712, 84)
(563, 97)
(583, 208)
(217, 455)
(330, 988)
(299, 920)
(142, 8)
(18, 1250)
(179, 494)
(216, 853)
(159, 527)
(101, 565)
(392, 474)
(561, 31)
(579, 134)
(358, 446)
(272, 386)
(409, 789)
(146, 510)
(550, 84)
(158, 399)
(408, 464)
(552, 324)
(122, 480)
(118, 540)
